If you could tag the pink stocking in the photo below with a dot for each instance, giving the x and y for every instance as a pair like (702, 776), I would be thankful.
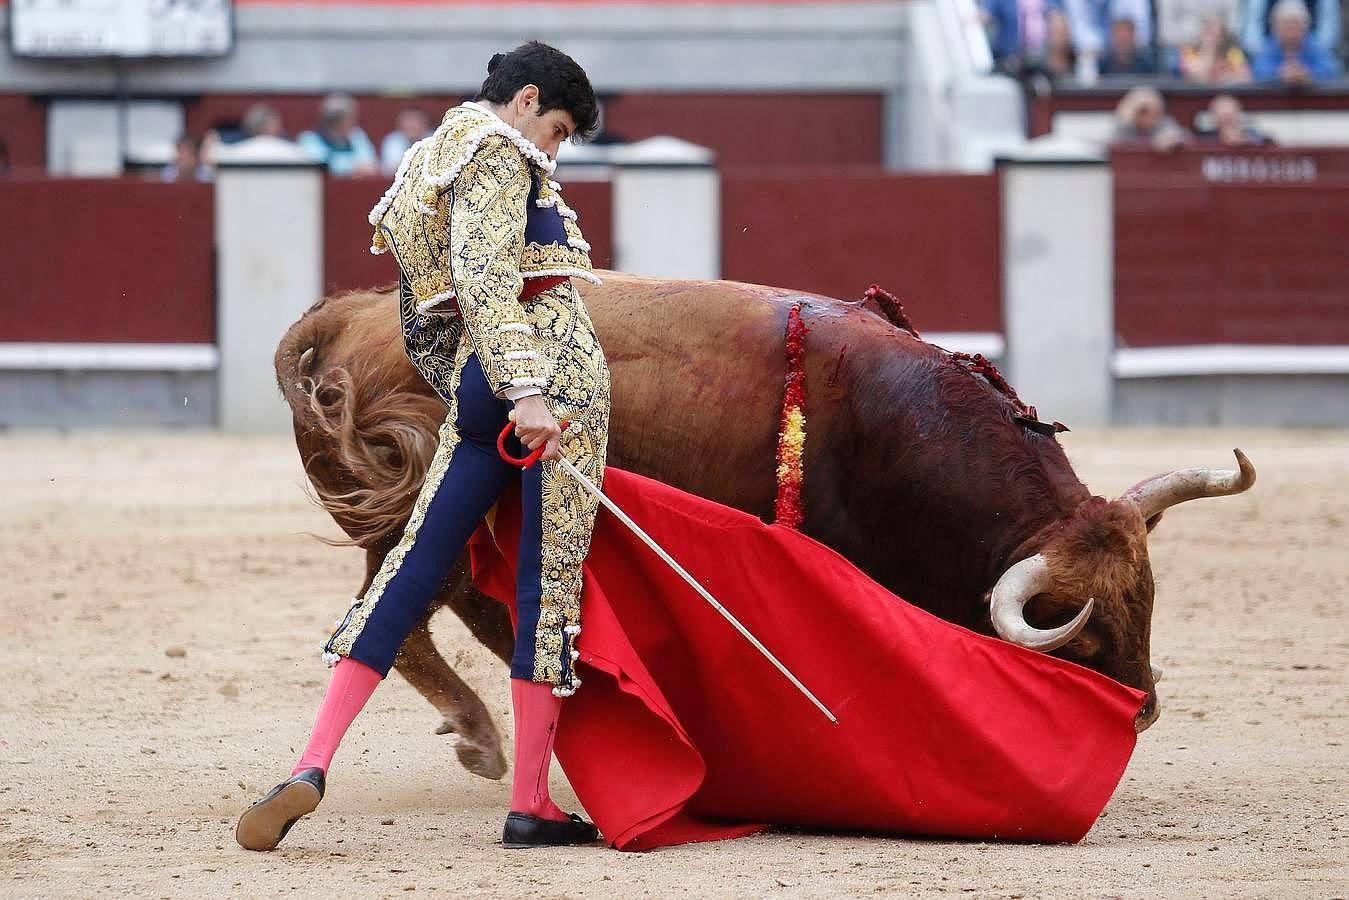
(536, 714)
(350, 687)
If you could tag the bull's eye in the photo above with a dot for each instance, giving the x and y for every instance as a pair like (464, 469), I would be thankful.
(1086, 645)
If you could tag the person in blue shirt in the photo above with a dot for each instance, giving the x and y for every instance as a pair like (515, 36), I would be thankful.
(1125, 57)
(1092, 19)
(1257, 24)
(413, 124)
(1290, 54)
(337, 141)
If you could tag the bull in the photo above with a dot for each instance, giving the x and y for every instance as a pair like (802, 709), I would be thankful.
(929, 478)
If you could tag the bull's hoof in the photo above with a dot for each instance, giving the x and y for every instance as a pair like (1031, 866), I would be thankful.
(445, 727)
(486, 762)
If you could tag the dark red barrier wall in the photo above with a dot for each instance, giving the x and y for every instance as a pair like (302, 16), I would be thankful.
(759, 129)
(744, 129)
(348, 263)
(1232, 247)
(931, 239)
(107, 260)
(23, 126)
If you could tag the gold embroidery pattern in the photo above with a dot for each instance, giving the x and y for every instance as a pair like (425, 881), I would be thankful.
(578, 392)
(342, 640)
(487, 238)
(555, 259)
(473, 229)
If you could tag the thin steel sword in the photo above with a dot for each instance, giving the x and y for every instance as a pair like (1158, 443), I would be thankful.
(692, 582)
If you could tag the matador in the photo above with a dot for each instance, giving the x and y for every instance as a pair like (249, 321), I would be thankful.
(487, 251)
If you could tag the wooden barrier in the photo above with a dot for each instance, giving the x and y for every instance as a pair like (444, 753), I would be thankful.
(107, 260)
(743, 129)
(1240, 246)
(23, 127)
(931, 239)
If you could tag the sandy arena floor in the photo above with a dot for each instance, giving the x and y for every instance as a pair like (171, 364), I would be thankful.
(163, 605)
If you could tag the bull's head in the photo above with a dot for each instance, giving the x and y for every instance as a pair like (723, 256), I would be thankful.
(1094, 567)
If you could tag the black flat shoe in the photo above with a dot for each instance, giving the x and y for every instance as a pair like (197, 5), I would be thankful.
(265, 823)
(524, 830)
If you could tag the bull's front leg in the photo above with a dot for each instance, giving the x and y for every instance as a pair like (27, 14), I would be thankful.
(420, 663)
(462, 711)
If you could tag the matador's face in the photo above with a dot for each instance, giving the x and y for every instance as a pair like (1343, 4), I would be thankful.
(546, 131)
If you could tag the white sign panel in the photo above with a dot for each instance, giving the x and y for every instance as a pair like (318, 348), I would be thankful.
(132, 28)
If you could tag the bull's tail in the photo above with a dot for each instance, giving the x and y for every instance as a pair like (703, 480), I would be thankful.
(364, 432)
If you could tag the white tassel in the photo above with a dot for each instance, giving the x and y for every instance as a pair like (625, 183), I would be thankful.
(572, 629)
(425, 305)
(579, 243)
(521, 354)
(584, 274)
(331, 659)
(515, 326)
(529, 382)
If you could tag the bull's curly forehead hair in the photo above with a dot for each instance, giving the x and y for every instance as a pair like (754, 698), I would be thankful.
(562, 83)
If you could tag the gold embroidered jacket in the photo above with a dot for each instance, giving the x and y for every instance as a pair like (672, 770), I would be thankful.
(473, 216)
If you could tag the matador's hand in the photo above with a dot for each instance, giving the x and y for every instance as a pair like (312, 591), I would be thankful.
(535, 425)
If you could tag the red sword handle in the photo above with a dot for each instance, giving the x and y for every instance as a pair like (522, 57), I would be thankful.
(532, 457)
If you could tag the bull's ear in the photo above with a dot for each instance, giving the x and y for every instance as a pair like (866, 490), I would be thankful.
(1152, 523)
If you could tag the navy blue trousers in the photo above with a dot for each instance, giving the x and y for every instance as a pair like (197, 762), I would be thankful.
(475, 478)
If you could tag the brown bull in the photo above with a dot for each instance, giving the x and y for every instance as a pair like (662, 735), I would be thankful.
(915, 469)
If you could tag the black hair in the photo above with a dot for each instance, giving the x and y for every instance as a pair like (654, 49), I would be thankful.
(562, 83)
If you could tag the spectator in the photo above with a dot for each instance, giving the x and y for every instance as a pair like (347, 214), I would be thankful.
(338, 141)
(1323, 23)
(1181, 22)
(1229, 126)
(188, 164)
(1125, 57)
(411, 126)
(262, 119)
(1091, 21)
(1018, 30)
(1059, 59)
(1214, 58)
(1141, 116)
(1290, 54)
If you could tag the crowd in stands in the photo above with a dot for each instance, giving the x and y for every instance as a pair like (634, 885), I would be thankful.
(337, 141)
(1141, 118)
(1209, 42)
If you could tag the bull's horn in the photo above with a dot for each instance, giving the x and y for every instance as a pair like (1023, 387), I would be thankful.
(1163, 491)
(1007, 606)
(1156, 673)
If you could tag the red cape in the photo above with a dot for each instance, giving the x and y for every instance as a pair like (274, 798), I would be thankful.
(682, 732)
